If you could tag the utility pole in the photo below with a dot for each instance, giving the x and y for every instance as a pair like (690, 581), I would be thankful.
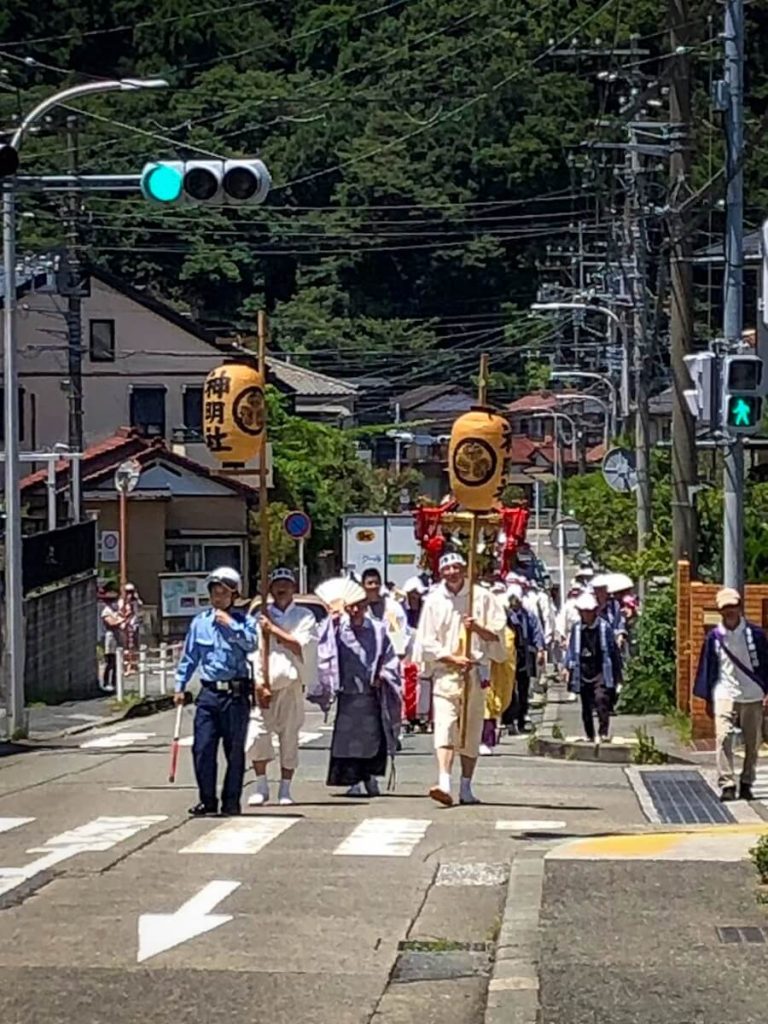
(684, 462)
(74, 311)
(733, 309)
(637, 246)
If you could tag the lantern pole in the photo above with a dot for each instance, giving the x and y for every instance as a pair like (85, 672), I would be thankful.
(482, 398)
(264, 505)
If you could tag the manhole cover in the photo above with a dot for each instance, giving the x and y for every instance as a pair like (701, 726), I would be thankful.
(441, 960)
(749, 934)
(684, 798)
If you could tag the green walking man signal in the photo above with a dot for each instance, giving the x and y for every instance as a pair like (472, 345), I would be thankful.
(743, 412)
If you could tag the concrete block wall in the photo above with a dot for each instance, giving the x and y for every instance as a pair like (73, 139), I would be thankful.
(61, 630)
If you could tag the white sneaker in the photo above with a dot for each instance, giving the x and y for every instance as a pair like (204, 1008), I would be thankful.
(484, 750)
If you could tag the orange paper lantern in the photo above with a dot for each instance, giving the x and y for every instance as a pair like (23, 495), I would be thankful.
(234, 413)
(479, 443)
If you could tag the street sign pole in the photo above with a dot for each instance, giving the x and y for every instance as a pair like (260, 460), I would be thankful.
(302, 568)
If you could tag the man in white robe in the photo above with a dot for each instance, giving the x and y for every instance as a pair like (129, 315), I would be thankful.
(279, 710)
(445, 619)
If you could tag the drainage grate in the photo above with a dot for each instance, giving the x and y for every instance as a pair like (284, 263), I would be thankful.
(441, 960)
(684, 798)
(729, 936)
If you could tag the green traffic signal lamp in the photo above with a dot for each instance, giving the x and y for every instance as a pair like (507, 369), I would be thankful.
(163, 182)
(744, 412)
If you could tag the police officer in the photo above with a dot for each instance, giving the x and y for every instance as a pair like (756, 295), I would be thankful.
(217, 644)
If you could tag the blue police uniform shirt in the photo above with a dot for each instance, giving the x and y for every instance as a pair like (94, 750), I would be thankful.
(218, 651)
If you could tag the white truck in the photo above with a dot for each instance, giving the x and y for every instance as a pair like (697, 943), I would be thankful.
(385, 542)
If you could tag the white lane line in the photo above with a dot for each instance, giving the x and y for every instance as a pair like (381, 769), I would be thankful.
(159, 932)
(117, 739)
(384, 837)
(472, 874)
(7, 824)
(98, 835)
(186, 741)
(241, 836)
(533, 825)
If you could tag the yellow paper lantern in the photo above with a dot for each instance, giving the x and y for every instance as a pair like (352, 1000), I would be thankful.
(479, 443)
(234, 413)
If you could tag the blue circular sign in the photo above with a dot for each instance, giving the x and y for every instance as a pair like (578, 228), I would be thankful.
(297, 525)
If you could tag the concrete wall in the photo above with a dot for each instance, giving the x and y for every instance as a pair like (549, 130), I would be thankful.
(61, 623)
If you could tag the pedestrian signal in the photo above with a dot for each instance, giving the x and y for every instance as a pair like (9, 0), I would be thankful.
(206, 182)
(742, 403)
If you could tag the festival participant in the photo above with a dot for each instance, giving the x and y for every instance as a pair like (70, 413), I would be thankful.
(359, 664)
(593, 666)
(440, 641)
(217, 644)
(500, 692)
(292, 635)
(384, 608)
(530, 654)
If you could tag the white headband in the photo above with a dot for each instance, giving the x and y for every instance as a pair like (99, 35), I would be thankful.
(452, 558)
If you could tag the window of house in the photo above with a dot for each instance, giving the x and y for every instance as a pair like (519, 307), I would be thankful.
(2, 415)
(201, 555)
(102, 341)
(193, 413)
(148, 411)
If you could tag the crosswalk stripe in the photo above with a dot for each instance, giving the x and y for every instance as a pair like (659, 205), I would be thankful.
(116, 739)
(308, 737)
(241, 835)
(384, 837)
(7, 824)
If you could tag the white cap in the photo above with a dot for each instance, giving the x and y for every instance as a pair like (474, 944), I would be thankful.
(585, 570)
(586, 602)
(451, 558)
(515, 590)
(414, 584)
(282, 573)
(227, 577)
(599, 581)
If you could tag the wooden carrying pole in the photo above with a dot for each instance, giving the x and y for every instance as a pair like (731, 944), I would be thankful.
(482, 398)
(263, 504)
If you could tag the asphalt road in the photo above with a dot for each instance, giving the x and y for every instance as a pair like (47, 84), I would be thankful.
(115, 906)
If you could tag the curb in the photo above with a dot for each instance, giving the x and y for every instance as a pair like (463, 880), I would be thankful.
(148, 706)
(513, 991)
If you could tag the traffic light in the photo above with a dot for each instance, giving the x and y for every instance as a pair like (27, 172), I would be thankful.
(742, 393)
(206, 182)
(701, 370)
(9, 160)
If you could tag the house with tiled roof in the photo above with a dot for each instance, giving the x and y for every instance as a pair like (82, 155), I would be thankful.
(143, 365)
(183, 518)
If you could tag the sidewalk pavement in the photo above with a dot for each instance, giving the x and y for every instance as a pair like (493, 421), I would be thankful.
(57, 720)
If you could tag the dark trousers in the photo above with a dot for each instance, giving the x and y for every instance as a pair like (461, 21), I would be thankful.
(518, 708)
(220, 716)
(595, 697)
(110, 671)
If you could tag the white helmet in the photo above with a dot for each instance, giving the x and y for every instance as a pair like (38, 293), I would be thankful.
(227, 577)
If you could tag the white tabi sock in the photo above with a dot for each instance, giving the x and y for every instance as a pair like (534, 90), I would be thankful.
(465, 790)
(284, 792)
(444, 782)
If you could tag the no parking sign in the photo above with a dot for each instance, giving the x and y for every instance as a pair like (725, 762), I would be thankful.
(297, 525)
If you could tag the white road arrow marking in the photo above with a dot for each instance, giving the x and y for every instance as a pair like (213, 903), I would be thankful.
(160, 932)
(6, 824)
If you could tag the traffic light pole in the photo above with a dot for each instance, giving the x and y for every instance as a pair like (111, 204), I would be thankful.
(733, 310)
(14, 640)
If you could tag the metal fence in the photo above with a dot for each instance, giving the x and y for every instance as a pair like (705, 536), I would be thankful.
(148, 672)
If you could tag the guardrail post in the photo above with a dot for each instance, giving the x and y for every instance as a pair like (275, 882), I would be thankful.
(119, 665)
(143, 671)
(163, 667)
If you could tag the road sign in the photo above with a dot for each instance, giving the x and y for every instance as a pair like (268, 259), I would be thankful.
(619, 470)
(110, 545)
(573, 535)
(297, 525)
(127, 476)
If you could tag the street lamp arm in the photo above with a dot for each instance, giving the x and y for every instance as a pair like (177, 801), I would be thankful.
(85, 89)
(553, 307)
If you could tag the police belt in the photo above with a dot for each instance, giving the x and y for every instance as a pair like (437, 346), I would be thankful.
(235, 687)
